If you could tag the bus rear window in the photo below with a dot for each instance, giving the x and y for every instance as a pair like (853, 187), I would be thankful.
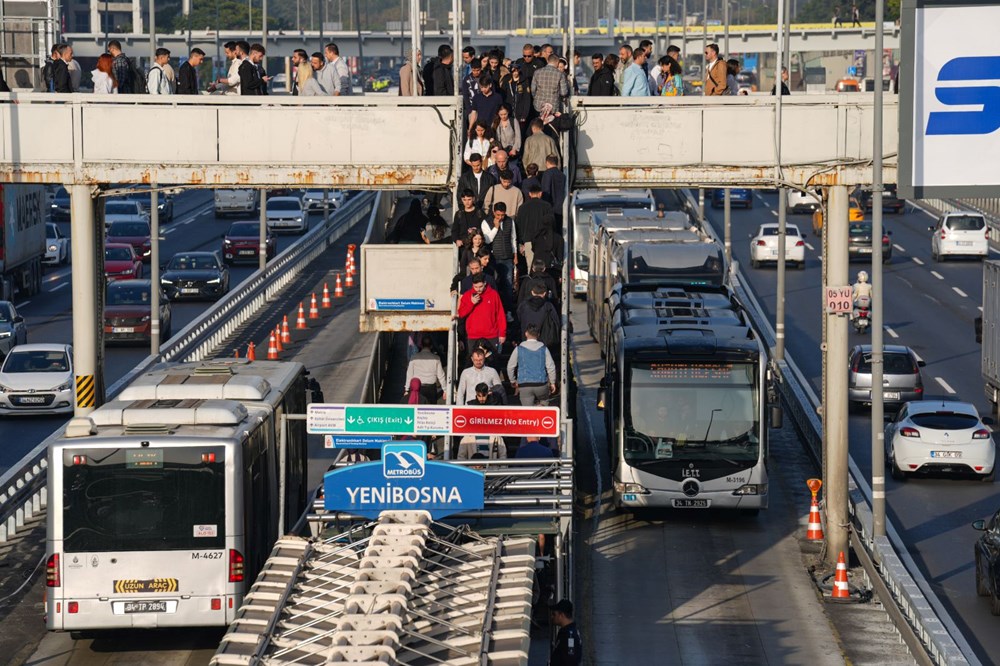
(170, 500)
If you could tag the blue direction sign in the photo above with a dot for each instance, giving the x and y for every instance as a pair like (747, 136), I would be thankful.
(412, 304)
(403, 480)
(355, 441)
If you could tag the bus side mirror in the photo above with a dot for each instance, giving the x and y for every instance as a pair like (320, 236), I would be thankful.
(776, 417)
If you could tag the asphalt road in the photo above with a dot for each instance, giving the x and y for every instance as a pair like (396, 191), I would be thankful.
(929, 307)
(49, 314)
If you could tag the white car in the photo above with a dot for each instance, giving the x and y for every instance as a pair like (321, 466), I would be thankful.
(938, 436)
(37, 379)
(124, 211)
(313, 199)
(764, 246)
(286, 214)
(962, 234)
(803, 202)
(56, 246)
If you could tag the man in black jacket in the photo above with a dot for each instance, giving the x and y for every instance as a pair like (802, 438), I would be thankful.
(187, 75)
(250, 83)
(60, 71)
(438, 78)
(469, 216)
(534, 227)
(477, 180)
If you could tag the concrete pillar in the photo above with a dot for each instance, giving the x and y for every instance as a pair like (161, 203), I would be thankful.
(779, 312)
(88, 283)
(727, 225)
(154, 272)
(835, 409)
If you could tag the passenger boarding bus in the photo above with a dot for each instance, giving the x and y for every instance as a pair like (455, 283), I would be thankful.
(584, 204)
(684, 395)
(165, 503)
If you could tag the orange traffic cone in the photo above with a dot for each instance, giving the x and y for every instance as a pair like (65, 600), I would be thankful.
(349, 282)
(251, 352)
(236, 353)
(272, 348)
(325, 303)
(841, 588)
(277, 338)
(338, 288)
(300, 321)
(313, 308)
(286, 336)
(349, 266)
(814, 531)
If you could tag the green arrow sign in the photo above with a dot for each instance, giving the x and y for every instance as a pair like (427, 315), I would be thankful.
(379, 419)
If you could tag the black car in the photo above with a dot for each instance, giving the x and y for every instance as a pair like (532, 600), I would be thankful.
(859, 242)
(59, 208)
(164, 202)
(987, 551)
(195, 275)
(890, 200)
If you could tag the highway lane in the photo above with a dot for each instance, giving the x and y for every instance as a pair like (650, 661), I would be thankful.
(49, 314)
(929, 306)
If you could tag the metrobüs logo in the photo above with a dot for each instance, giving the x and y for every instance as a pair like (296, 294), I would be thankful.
(967, 69)
(404, 460)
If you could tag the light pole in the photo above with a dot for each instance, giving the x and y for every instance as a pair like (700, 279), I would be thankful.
(878, 408)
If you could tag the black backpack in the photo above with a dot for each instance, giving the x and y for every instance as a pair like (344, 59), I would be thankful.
(138, 79)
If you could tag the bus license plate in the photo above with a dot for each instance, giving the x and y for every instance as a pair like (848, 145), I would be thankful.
(946, 454)
(691, 503)
(145, 607)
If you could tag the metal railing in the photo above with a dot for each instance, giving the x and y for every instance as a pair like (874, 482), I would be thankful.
(23, 486)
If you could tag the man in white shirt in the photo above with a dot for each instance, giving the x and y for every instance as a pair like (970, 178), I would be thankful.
(157, 81)
(478, 373)
(230, 85)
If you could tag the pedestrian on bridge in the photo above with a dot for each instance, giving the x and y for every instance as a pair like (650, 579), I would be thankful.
(501, 162)
(303, 71)
(229, 84)
(716, 71)
(187, 75)
(549, 90)
(161, 79)
(122, 68)
(102, 76)
(855, 16)
(636, 82)
(531, 370)
(406, 88)
(467, 218)
(837, 21)
(476, 374)
(568, 647)
(61, 81)
(336, 75)
(251, 82)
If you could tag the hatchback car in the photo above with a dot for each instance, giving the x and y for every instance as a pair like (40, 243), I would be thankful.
(764, 246)
(286, 214)
(738, 196)
(987, 556)
(960, 235)
(313, 199)
(13, 330)
(128, 312)
(803, 202)
(242, 242)
(56, 246)
(891, 203)
(135, 234)
(932, 436)
(37, 379)
(859, 242)
(195, 275)
(901, 379)
(121, 262)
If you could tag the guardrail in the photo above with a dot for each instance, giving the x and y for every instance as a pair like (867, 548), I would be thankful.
(23, 486)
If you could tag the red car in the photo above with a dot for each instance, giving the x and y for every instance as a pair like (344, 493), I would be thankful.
(135, 234)
(128, 310)
(120, 262)
(242, 243)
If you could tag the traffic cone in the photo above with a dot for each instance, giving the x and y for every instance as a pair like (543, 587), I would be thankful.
(325, 303)
(236, 353)
(350, 264)
(349, 282)
(313, 308)
(286, 336)
(300, 321)
(338, 288)
(841, 588)
(251, 352)
(814, 531)
(272, 348)
(277, 338)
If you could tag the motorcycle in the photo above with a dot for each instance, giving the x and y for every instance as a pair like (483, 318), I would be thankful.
(862, 315)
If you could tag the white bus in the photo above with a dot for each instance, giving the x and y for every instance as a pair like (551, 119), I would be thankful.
(165, 503)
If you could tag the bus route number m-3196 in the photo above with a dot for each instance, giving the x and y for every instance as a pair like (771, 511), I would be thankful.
(838, 300)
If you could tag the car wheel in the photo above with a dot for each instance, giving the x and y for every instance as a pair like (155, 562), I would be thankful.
(897, 474)
(755, 263)
(982, 589)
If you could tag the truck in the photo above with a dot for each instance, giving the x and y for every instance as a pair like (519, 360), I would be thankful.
(988, 332)
(22, 240)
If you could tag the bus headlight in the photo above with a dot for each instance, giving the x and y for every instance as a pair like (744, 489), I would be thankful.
(630, 489)
(752, 489)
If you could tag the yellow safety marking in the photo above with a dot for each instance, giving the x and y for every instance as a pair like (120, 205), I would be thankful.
(85, 390)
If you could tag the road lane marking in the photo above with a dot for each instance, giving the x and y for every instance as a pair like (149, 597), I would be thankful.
(810, 247)
(891, 332)
(899, 248)
(937, 275)
(775, 213)
(58, 286)
(917, 261)
(980, 307)
(21, 305)
(959, 292)
(765, 203)
(944, 385)
(169, 231)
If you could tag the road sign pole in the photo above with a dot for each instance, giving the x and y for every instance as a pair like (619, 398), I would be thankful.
(779, 313)
(835, 409)
(878, 408)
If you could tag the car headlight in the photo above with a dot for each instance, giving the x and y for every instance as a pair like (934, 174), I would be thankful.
(227, 242)
(215, 281)
(64, 387)
(4, 334)
(630, 489)
(298, 219)
(146, 318)
(751, 489)
(165, 281)
(5, 389)
(53, 248)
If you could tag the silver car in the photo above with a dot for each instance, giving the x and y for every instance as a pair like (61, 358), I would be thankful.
(901, 380)
(37, 379)
(312, 200)
(56, 246)
(13, 330)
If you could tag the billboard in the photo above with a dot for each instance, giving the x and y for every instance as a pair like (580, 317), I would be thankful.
(949, 120)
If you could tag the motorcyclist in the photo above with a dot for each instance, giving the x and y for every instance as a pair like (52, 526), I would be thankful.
(861, 293)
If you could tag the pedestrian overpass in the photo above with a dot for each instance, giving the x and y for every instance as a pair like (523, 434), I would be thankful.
(409, 143)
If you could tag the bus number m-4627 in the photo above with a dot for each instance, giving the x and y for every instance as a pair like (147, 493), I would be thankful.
(208, 555)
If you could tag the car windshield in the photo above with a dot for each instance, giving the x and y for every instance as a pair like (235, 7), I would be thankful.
(966, 223)
(128, 229)
(120, 208)
(860, 230)
(192, 262)
(945, 421)
(117, 254)
(119, 294)
(691, 411)
(245, 229)
(283, 205)
(893, 364)
(36, 361)
(773, 231)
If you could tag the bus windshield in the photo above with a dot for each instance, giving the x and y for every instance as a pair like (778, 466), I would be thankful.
(144, 499)
(691, 410)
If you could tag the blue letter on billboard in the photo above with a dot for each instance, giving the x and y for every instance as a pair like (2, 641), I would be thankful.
(985, 121)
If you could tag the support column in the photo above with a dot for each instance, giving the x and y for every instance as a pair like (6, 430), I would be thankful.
(835, 409)
(701, 203)
(779, 312)
(878, 406)
(154, 271)
(88, 331)
(727, 216)
(262, 238)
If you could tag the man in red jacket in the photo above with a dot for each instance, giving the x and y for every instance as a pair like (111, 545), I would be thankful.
(483, 312)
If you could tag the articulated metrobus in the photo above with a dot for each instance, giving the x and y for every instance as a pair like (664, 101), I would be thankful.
(165, 503)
